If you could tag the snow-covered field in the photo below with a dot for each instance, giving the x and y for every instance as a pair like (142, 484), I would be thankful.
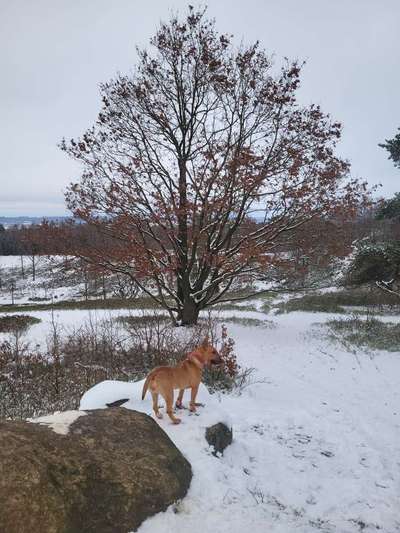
(316, 439)
(17, 270)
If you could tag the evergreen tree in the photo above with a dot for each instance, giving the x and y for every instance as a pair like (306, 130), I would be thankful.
(390, 208)
(393, 147)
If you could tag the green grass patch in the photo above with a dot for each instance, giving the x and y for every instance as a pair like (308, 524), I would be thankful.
(10, 323)
(266, 307)
(311, 302)
(112, 303)
(370, 332)
(233, 307)
(340, 301)
(143, 320)
(247, 294)
(244, 321)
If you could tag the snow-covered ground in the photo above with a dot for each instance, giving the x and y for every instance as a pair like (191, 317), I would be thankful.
(17, 270)
(66, 322)
(316, 437)
(316, 440)
(316, 446)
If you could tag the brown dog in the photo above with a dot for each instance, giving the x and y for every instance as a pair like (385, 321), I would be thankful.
(186, 375)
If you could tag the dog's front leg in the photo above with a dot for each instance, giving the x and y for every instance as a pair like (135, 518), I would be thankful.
(193, 395)
(178, 403)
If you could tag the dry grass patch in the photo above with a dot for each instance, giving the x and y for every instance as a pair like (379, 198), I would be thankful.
(10, 323)
(367, 333)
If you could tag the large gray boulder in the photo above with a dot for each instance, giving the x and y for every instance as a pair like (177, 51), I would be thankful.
(112, 470)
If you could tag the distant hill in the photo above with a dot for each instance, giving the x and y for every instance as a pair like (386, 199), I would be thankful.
(27, 221)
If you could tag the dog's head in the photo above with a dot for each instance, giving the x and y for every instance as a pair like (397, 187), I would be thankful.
(209, 354)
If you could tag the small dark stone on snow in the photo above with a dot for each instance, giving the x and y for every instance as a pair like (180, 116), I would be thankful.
(327, 453)
(219, 436)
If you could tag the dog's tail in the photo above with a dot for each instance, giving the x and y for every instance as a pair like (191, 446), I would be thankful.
(146, 385)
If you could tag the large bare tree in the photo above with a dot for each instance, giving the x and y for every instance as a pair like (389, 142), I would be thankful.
(186, 149)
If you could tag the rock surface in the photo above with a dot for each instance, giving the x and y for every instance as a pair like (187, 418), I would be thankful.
(111, 471)
(219, 436)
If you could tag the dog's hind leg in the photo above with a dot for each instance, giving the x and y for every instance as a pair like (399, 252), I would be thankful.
(154, 395)
(178, 403)
(169, 400)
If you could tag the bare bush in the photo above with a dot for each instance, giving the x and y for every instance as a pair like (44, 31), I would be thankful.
(34, 383)
(161, 343)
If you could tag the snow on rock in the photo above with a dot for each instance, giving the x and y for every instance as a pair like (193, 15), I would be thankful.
(105, 392)
(109, 391)
(59, 421)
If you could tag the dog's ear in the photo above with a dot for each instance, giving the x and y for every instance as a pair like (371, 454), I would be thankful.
(197, 357)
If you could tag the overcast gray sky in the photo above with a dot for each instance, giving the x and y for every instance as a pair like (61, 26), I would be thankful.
(54, 53)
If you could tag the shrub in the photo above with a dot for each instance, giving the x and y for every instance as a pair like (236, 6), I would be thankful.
(223, 377)
(161, 343)
(370, 264)
(34, 383)
(375, 263)
(9, 323)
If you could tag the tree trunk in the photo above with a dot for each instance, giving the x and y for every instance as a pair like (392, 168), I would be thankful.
(103, 282)
(22, 267)
(189, 312)
(86, 284)
(33, 259)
